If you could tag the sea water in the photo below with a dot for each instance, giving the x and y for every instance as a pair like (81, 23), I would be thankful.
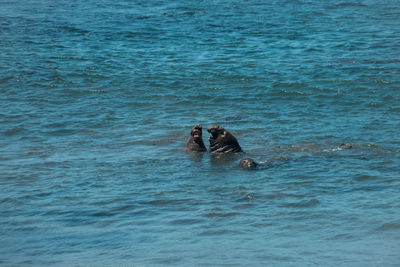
(98, 99)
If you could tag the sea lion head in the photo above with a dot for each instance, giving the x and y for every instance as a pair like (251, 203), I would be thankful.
(197, 131)
(216, 132)
(248, 163)
(195, 142)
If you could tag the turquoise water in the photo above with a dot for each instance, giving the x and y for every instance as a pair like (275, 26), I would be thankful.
(98, 99)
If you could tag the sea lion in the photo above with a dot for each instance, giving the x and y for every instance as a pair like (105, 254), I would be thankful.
(345, 146)
(222, 141)
(248, 163)
(195, 142)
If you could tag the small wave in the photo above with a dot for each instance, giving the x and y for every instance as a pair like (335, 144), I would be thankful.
(186, 221)
(340, 237)
(223, 232)
(167, 202)
(61, 132)
(345, 5)
(15, 131)
(127, 207)
(103, 214)
(366, 177)
(72, 29)
(9, 200)
(389, 226)
(302, 204)
(220, 214)
(170, 260)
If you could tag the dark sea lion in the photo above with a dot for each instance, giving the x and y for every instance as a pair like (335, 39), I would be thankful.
(222, 141)
(248, 163)
(195, 142)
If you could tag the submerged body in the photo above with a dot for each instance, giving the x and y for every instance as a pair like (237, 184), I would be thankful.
(195, 142)
(222, 141)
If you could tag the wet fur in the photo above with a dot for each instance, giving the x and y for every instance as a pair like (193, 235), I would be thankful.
(196, 144)
(222, 141)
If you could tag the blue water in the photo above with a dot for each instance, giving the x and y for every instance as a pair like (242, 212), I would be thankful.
(97, 99)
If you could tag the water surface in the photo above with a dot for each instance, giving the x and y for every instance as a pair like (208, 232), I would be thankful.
(98, 99)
